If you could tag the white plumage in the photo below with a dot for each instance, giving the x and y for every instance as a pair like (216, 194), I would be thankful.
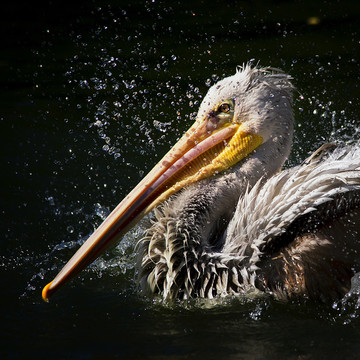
(267, 209)
(275, 234)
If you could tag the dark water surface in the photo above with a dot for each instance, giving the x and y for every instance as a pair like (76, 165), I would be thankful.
(92, 95)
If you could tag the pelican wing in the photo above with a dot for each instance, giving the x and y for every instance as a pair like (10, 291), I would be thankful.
(301, 227)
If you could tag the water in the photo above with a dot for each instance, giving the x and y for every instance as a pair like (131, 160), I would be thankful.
(92, 97)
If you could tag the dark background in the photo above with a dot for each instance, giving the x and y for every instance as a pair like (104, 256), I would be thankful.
(92, 94)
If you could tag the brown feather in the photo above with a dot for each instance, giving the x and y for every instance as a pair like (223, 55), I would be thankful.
(317, 265)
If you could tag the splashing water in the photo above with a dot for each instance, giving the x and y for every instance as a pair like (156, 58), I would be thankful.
(348, 308)
(133, 100)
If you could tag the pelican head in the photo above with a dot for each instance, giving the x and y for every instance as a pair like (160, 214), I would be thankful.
(244, 127)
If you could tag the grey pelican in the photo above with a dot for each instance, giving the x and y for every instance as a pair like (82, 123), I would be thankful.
(226, 219)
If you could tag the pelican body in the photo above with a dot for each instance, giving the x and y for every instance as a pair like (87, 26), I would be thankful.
(226, 220)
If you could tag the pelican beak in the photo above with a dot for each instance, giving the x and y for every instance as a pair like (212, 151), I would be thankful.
(202, 151)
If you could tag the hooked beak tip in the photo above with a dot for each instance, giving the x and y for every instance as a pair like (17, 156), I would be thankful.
(45, 291)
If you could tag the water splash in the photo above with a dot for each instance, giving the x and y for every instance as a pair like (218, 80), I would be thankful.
(128, 88)
(348, 308)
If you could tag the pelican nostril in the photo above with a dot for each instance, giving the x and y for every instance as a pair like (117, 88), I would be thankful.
(212, 122)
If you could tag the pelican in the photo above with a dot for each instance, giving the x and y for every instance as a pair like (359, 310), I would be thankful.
(226, 220)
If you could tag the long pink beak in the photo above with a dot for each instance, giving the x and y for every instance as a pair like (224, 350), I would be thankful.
(179, 167)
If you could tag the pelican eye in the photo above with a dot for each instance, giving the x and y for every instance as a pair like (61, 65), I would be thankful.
(224, 108)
